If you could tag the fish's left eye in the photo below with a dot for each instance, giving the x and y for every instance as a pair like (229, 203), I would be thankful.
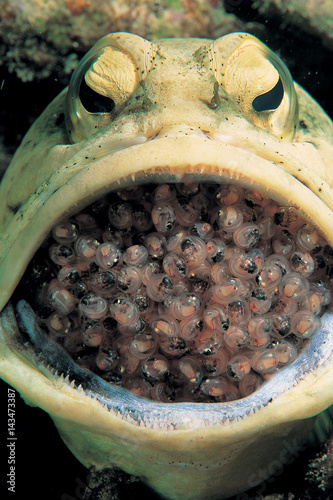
(257, 81)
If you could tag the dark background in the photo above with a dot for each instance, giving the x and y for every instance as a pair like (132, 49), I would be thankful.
(45, 468)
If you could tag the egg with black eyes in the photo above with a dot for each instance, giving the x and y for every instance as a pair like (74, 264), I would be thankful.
(165, 275)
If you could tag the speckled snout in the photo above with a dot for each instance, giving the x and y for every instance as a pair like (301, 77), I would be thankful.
(171, 113)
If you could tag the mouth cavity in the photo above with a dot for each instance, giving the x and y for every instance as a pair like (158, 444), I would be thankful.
(188, 292)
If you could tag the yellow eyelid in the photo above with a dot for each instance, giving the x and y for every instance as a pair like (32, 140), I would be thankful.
(114, 67)
(246, 69)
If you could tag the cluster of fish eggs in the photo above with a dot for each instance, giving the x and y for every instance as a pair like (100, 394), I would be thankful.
(184, 292)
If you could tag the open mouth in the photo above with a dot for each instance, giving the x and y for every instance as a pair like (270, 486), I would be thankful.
(185, 292)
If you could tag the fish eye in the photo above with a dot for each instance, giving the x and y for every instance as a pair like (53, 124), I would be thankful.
(271, 100)
(258, 82)
(104, 82)
(94, 102)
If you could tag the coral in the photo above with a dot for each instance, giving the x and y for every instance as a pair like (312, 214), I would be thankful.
(43, 36)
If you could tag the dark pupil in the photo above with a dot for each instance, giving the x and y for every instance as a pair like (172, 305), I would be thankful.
(271, 100)
(94, 102)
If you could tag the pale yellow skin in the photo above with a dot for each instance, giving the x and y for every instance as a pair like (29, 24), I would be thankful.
(183, 112)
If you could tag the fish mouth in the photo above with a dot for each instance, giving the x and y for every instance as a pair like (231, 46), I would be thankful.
(55, 363)
(216, 166)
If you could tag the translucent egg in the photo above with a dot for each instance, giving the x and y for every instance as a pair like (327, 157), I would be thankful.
(189, 329)
(173, 241)
(238, 367)
(323, 290)
(293, 285)
(259, 328)
(267, 228)
(112, 235)
(284, 244)
(107, 255)
(188, 189)
(190, 369)
(162, 392)
(86, 222)
(215, 250)
(163, 217)
(68, 276)
(156, 367)
(256, 198)
(164, 192)
(173, 347)
(279, 261)
(149, 270)
(61, 299)
(156, 245)
(249, 384)
(65, 232)
(193, 250)
(239, 312)
(59, 324)
(186, 306)
(131, 193)
(304, 324)
(186, 214)
(302, 263)
(160, 287)
(124, 311)
(174, 265)
(143, 345)
(236, 337)
(229, 218)
(164, 325)
(286, 352)
(92, 334)
(246, 236)
(228, 290)
(208, 342)
(285, 306)
(141, 299)
(62, 255)
(216, 318)
(229, 194)
(260, 301)
(269, 277)
(136, 255)
(202, 230)
(86, 247)
(103, 283)
(120, 215)
(307, 238)
(141, 218)
(243, 266)
(139, 387)
(129, 279)
(281, 323)
(93, 306)
(219, 272)
(264, 361)
(215, 364)
(215, 387)
(128, 364)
